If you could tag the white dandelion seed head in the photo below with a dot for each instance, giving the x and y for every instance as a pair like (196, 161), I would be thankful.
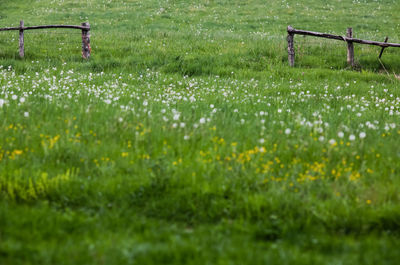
(176, 116)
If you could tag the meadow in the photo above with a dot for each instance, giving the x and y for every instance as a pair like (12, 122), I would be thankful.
(187, 138)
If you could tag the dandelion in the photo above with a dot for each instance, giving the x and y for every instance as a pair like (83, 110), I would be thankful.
(17, 152)
(321, 138)
(202, 120)
(332, 141)
(261, 141)
(186, 137)
(120, 119)
(340, 134)
(22, 100)
(176, 116)
(288, 131)
(26, 114)
(362, 135)
(352, 137)
(14, 97)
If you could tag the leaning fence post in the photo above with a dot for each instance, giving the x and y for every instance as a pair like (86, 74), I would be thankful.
(350, 48)
(86, 41)
(290, 40)
(21, 39)
(383, 47)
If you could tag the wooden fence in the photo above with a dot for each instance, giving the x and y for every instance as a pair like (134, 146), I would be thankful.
(348, 38)
(85, 27)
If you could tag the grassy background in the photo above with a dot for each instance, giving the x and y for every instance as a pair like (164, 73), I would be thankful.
(201, 38)
(97, 168)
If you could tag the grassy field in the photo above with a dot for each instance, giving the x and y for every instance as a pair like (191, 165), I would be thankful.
(186, 138)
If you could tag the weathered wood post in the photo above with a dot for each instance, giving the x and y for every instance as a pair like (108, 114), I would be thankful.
(290, 40)
(86, 41)
(350, 48)
(21, 39)
(383, 48)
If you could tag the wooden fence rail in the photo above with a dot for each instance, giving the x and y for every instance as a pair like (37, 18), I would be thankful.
(348, 38)
(85, 27)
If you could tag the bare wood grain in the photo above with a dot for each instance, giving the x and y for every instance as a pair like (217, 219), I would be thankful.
(350, 48)
(341, 38)
(21, 40)
(383, 48)
(86, 41)
(47, 27)
(291, 52)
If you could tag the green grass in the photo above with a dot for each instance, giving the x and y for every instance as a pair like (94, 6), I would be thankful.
(186, 138)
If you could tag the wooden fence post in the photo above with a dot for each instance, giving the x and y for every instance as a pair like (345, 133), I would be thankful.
(383, 48)
(86, 41)
(290, 40)
(350, 48)
(21, 39)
